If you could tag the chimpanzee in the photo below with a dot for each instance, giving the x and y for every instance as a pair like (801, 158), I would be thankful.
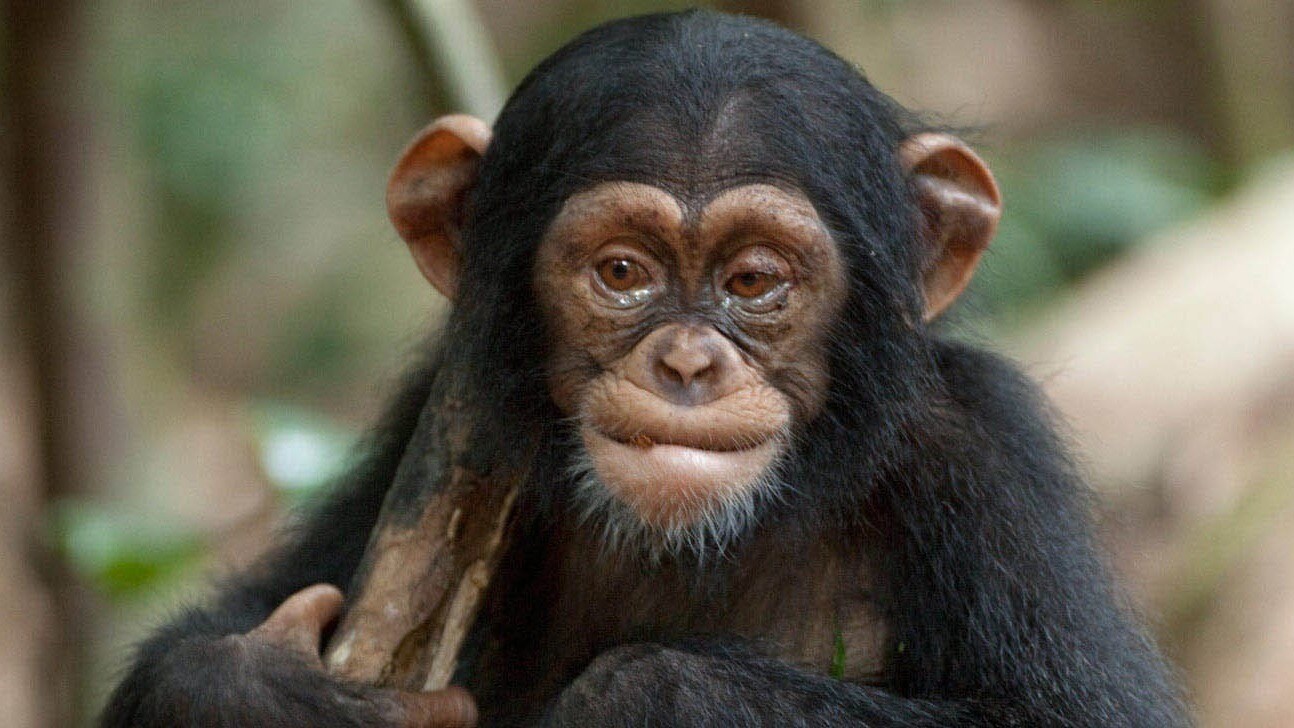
(699, 262)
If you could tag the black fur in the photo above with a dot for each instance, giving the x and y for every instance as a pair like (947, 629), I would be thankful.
(934, 467)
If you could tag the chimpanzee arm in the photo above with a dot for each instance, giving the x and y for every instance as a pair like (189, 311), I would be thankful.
(192, 671)
(995, 589)
(727, 685)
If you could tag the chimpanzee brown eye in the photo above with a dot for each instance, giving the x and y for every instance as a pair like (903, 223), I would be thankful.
(621, 274)
(751, 284)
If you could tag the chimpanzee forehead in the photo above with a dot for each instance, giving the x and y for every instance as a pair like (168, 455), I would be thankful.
(692, 158)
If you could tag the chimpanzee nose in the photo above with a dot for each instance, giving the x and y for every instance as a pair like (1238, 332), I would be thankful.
(681, 366)
(687, 365)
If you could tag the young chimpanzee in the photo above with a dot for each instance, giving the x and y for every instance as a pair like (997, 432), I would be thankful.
(696, 264)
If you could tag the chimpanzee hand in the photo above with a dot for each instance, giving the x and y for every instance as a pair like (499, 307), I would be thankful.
(273, 676)
(722, 685)
(297, 626)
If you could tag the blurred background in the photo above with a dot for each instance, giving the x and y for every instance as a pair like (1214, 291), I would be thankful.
(202, 304)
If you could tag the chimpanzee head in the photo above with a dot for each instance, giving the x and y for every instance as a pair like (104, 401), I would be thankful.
(704, 249)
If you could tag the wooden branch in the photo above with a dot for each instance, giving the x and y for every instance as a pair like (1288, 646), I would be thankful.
(442, 531)
(454, 53)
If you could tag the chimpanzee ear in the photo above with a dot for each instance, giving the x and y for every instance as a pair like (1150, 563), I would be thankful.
(960, 208)
(427, 191)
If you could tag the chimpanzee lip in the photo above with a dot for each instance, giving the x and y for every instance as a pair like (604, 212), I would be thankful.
(651, 440)
(624, 412)
(645, 439)
(670, 483)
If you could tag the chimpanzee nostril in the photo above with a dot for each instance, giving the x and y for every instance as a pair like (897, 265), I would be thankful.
(688, 365)
(685, 365)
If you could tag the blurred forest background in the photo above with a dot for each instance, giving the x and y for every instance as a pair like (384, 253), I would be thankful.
(202, 304)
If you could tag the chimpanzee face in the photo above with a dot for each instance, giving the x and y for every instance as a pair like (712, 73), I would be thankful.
(686, 339)
(687, 318)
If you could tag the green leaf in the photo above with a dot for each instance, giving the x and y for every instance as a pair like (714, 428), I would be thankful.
(1091, 195)
(838, 656)
(121, 552)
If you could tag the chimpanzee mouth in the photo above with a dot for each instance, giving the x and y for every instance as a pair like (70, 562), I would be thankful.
(662, 452)
(671, 484)
(714, 464)
(707, 443)
(667, 496)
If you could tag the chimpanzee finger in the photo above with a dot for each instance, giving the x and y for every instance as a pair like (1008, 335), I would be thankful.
(452, 707)
(298, 623)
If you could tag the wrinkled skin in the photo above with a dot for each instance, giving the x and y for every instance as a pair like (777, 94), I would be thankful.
(688, 373)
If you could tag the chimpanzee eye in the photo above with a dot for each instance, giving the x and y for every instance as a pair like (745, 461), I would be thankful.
(622, 274)
(757, 279)
(751, 284)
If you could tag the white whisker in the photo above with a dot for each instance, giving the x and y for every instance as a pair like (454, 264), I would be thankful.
(721, 523)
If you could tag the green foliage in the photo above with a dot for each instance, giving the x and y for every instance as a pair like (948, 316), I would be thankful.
(1074, 203)
(315, 342)
(1102, 192)
(838, 656)
(228, 113)
(120, 551)
(208, 112)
